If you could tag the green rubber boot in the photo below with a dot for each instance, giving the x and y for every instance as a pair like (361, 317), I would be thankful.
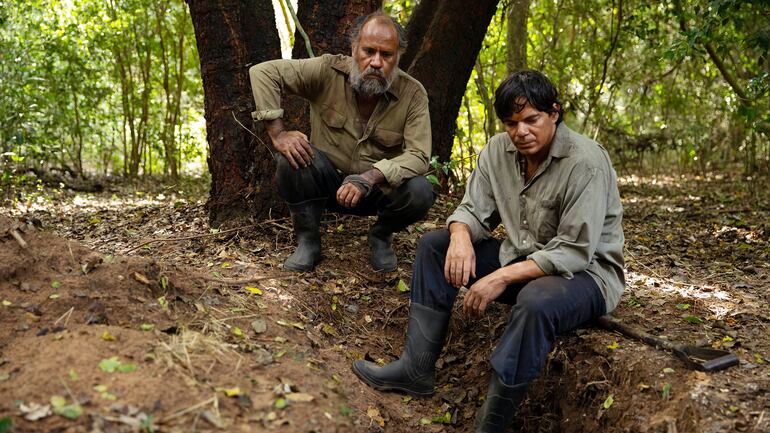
(414, 372)
(500, 406)
(306, 217)
(381, 244)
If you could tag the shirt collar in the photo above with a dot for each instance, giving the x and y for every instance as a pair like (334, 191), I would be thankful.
(342, 64)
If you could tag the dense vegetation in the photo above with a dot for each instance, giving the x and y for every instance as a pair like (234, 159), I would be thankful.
(108, 87)
(91, 87)
(664, 85)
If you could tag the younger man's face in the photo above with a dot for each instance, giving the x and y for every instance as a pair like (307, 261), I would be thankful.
(532, 131)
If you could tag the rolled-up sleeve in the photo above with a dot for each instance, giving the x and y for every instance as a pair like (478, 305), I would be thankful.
(417, 144)
(478, 209)
(270, 80)
(580, 226)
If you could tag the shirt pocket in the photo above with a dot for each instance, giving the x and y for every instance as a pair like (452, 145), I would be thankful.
(332, 117)
(387, 139)
(334, 123)
(547, 220)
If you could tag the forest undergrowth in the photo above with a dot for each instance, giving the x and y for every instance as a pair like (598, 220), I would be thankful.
(127, 312)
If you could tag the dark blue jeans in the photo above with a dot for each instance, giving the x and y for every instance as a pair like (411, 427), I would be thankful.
(404, 205)
(542, 308)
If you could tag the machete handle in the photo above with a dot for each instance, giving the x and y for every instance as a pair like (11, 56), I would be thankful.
(609, 323)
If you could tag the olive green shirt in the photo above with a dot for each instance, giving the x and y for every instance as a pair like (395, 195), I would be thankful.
(566, 218)
(396, 140)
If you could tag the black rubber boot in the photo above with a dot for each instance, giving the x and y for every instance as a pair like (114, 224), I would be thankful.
(414, 373)
(501, 404)
(306, 217)
(381, 244)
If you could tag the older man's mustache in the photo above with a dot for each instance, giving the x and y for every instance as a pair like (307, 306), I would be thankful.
(371, 72)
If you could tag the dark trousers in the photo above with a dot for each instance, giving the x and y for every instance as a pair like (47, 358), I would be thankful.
(542, 308)
(406, 204)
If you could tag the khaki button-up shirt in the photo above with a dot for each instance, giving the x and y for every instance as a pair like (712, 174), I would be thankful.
(397, 138)
(566, 218)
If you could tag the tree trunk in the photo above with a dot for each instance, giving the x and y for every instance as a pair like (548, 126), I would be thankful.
(518, 13)
(328, 24)
(416, 29)
(444, 60)
(232, 35)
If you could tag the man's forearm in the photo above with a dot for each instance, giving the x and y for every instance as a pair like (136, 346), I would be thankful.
(521, 272)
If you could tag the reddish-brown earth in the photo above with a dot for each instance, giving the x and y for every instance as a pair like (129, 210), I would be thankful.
(182, 315)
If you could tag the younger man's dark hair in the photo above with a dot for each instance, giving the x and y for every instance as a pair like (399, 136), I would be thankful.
(524, 87)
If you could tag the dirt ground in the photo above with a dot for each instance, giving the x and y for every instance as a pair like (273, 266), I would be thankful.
(126, 312)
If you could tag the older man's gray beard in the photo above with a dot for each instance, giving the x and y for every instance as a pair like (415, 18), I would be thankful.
(370, 82)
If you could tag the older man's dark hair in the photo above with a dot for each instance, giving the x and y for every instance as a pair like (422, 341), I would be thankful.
(381, 16)
(526, 87)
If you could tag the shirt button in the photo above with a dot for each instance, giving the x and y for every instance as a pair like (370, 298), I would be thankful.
(525, 221)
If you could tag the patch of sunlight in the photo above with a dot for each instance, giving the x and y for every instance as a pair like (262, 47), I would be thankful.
(656, 286)
(661, 180)
(88, 203)
(285, 25)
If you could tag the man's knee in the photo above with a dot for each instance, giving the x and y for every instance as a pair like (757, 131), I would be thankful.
(434, 240)
(535, 300)
(283, 170)
(291, 182)
(421, 196)
(305, 183)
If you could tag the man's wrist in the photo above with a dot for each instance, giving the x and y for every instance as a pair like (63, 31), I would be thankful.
(373, 176)
(274, 128)
(359, 182)
(457, 228)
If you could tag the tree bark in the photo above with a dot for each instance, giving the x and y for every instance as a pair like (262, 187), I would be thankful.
(232, 35)
(416, 29)
(328, 24)
(517, 14)
(444, 60)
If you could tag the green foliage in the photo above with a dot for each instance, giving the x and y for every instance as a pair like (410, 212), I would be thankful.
(400, 9)
(630, 76)
(5, 424)
(98, 87)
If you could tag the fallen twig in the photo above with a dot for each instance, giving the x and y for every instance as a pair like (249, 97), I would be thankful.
(205, 235)
(247, 280)
(16, 235)
(387, 318)
(66, 314)
(179, 413)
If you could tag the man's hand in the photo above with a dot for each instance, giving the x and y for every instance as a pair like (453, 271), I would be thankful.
(460, 263)
(349, 194)
(483, 292)
(293, 145)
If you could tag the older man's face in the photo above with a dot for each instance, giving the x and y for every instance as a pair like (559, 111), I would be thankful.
(375, 57)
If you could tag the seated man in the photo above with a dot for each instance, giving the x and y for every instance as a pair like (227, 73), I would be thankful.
(560, 265)
(370, 135)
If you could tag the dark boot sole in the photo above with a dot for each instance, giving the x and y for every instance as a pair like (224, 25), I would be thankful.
(296, 267)
(383, 387)
(384, 270)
